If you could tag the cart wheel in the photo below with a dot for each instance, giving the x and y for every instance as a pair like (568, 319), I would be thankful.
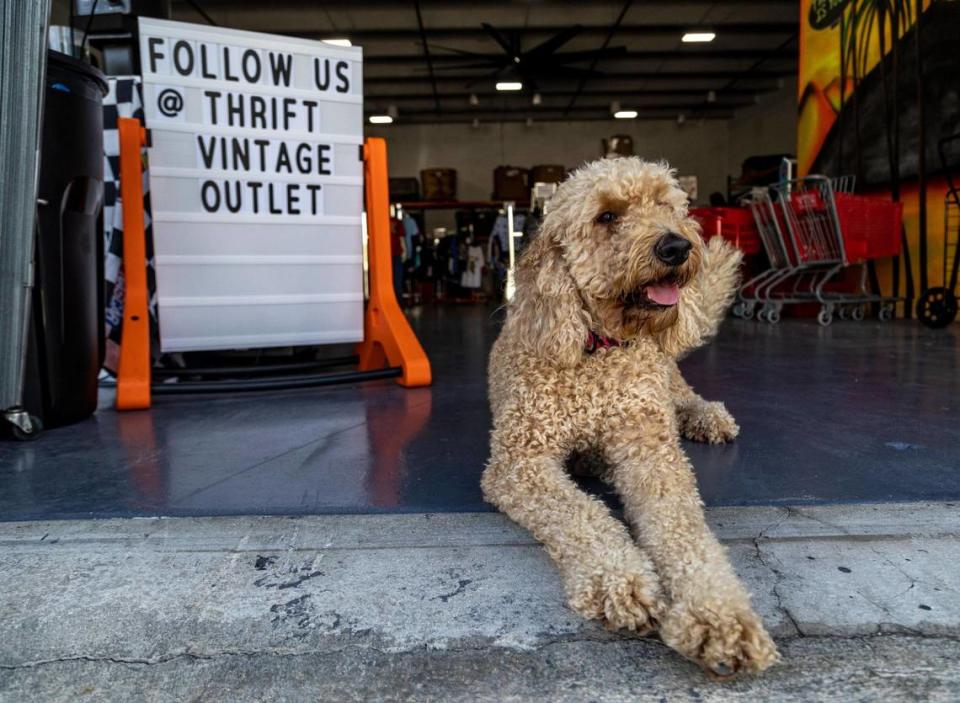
(937, 307)
(22, 435)
(843, 312)
(738, 309)
(825, 317)
(886, 313)
(773, 317)
(747, 312)
(857, 313)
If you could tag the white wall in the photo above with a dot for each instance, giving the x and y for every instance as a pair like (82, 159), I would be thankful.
(770, 127)
(694, 148)
(709, 149)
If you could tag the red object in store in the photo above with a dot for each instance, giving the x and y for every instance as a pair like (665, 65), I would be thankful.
(735, 224)
(870, 226)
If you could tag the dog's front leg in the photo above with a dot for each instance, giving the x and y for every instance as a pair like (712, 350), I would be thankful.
(605, 575)
(698, 419)
(710, 619)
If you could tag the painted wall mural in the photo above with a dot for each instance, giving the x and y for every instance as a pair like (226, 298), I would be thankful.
(879, 96)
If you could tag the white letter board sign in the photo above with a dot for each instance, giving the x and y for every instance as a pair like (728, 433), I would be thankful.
(256, 187)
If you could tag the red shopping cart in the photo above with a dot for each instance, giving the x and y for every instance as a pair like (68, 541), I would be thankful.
(735, 224)
(812, 233)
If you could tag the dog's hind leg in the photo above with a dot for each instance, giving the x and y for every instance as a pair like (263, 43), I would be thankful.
(710, 619)
(605, 575)
(698, 419)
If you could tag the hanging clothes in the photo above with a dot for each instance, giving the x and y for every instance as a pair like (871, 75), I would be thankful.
(501, 228)
(411, 229)
(472, 276)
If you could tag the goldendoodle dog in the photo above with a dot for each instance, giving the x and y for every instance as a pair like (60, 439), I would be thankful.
(614, 288)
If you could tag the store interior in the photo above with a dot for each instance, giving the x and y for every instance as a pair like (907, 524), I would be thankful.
(839, 360)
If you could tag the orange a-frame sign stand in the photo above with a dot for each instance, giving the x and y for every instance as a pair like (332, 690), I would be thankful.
(133, 369)
(388, 339)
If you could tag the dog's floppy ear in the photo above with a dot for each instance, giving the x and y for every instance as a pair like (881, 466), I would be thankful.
(547, 313)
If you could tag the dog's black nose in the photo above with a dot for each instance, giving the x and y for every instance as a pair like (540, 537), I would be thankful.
(672, 249)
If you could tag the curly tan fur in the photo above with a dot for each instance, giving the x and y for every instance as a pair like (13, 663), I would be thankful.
(620, 411)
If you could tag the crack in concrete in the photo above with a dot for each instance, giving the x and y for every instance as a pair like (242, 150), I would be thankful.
(797, 512)
(461, 586)
(882, 631)
(775, 589)
(913, 580)
(777, 574)
(764, 531)
(879, 606)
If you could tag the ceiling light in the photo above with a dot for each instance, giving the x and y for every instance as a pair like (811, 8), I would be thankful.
(711, 96)
(681, 118)
(529, 122)
(691, 37)
(510, 85)
(380, 119)
(476, 123)
(626, 114)
(474, 100)
(337, 42)
(537, 99)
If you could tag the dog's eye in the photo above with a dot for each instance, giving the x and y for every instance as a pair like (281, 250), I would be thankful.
(605, 218)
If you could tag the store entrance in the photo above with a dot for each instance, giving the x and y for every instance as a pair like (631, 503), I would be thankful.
(462, 251)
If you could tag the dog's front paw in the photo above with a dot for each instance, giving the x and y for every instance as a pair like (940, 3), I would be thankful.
(707, 422)
(628, 599)
(721, 640)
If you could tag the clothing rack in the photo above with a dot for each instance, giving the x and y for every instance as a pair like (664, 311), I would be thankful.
(445, 268)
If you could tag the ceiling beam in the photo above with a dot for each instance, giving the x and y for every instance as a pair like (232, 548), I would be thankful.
(426, 53)
(558, 117)
(606, 42)
(681, 54)
(363, 35)
(546, 111)
(534, 111)
(757, 64)
(613, 92)
(608, 75)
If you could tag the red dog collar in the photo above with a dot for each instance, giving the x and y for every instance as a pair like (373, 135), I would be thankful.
(596, 341)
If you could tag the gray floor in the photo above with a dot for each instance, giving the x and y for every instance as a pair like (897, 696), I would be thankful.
(856, 412)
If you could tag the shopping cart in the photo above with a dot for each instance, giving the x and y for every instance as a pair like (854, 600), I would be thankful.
(812, 230)
(735, 224)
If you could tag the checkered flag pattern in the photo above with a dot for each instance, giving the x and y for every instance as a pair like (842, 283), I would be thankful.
(124, 99)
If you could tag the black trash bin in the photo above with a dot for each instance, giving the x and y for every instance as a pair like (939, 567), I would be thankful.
(66, 341)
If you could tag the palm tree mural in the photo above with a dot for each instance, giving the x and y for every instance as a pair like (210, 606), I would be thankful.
(895, 93)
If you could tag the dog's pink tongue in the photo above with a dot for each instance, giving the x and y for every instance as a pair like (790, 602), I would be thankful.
(663, 293)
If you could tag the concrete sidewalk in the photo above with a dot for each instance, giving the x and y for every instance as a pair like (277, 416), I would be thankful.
(862, 599)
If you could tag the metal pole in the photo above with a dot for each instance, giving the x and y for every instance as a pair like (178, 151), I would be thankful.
(511, 281)
(23, 60)
(921, 150)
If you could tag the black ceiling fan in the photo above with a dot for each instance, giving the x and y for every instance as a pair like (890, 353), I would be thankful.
(530, 66)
